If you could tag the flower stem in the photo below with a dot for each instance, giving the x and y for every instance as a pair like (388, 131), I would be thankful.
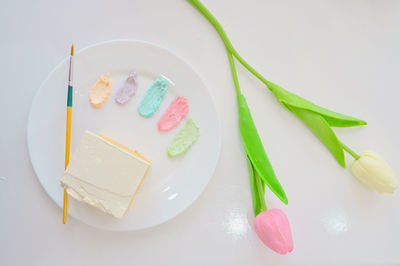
(350, 151)
(214, 22)
(234, 73)
(232, 52)
(260, 190)
(259, 185)
(226, 40)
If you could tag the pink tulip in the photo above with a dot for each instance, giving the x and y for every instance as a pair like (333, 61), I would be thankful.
(273, 228)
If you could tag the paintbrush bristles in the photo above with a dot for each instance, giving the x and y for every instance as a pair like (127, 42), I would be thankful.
(72, 50)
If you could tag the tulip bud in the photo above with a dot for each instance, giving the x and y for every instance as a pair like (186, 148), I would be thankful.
(371, 170)
(273, 228)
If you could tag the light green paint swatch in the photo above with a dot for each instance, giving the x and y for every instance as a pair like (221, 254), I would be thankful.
(184, 139)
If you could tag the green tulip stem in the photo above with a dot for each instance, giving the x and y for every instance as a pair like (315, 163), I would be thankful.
(234, 73)
(317, 118)
(226, 40)
(260, 190)
(350, 151)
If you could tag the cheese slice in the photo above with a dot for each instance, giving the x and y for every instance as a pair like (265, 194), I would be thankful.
(105, 174)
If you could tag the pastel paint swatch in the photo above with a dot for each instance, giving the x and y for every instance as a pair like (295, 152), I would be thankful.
(152, 99)
(184, 139)
(127, 90)
(101, 90)
(176, 111)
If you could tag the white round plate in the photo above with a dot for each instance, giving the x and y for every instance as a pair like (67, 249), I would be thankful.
(172, 184)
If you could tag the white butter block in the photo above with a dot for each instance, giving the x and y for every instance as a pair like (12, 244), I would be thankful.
(104, 174)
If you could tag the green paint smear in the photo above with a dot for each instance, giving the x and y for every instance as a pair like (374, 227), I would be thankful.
(153, 97)
(184, 139)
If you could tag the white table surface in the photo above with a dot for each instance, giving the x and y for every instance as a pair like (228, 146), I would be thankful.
(344, 55)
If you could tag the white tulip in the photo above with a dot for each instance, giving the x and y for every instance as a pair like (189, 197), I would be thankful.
(371, 170)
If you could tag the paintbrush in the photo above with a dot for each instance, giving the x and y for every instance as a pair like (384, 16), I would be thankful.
(68, 128)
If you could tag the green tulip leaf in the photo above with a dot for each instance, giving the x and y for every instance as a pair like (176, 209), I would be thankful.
(255, 150)
(321, 128)
(332, 118)
(257, 205)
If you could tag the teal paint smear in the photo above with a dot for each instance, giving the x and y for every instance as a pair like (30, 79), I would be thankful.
(153, 97)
